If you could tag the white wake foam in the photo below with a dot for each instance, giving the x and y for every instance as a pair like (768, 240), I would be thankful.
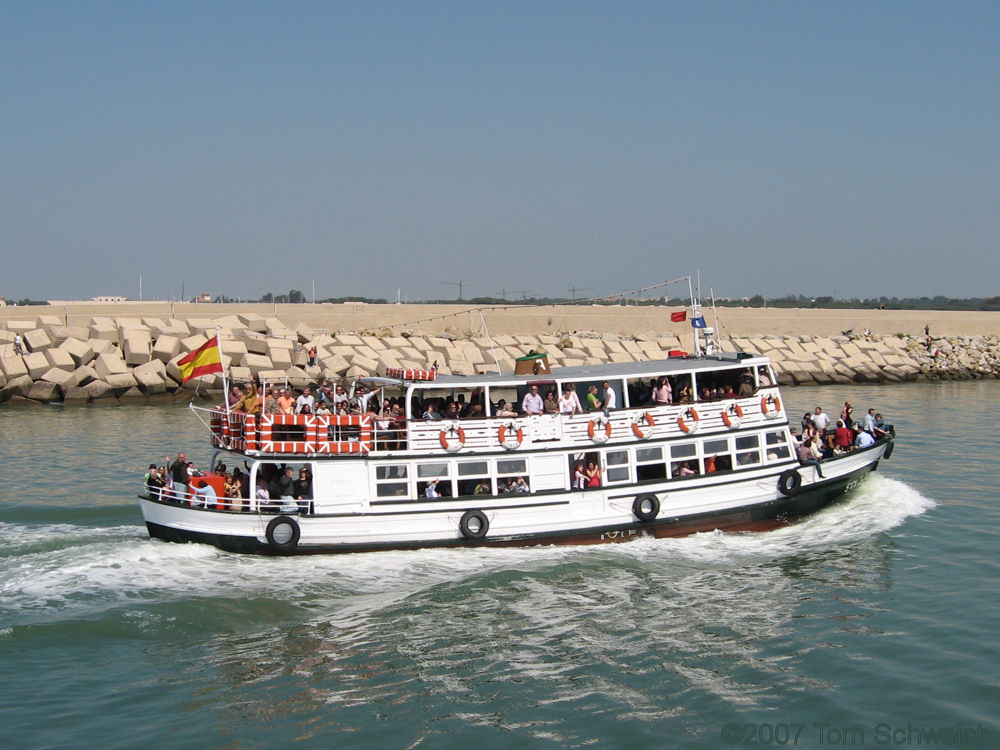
(66, 571)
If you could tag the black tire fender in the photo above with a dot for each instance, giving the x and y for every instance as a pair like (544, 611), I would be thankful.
(283, 533)
(888, 449)
(474, 524)
(789, 483)
(646, 507)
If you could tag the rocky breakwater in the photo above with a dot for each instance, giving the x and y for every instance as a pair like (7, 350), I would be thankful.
(113, 360)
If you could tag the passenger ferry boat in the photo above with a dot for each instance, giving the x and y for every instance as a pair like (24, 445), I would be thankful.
(406, 482)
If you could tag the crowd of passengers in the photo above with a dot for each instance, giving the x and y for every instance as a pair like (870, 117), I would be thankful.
(336, 399)
(818, 438)
(277, 485)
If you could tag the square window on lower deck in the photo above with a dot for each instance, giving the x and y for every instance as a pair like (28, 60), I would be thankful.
(508, 466)
(391, 471)
(684, 450)
(432, 470)
(648, 455)
(391, 489)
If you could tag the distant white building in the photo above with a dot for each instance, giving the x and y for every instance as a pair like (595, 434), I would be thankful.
(109, 299)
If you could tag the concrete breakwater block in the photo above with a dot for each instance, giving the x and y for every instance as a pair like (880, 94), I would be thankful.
(136, 358)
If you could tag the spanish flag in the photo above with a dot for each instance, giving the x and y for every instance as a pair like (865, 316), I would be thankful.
(204, 360)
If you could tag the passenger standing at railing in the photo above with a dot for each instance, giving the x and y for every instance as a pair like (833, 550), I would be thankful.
(155, 481)
(271, 402)
(550, 405)
(593, 402)
(568, 402)
(285, 402)
(306, 399)
(610, 398)
(532, 403)
(179, 475)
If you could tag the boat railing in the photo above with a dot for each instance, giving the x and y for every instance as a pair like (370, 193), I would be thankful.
(596, 428)
(305, 434)
(189, 497)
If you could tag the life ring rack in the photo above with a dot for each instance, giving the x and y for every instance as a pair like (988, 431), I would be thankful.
(510, 435)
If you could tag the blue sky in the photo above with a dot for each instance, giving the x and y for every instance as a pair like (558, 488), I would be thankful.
(839, 148)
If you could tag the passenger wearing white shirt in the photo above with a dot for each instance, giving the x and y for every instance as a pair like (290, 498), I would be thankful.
(610, 400)
(821, 419)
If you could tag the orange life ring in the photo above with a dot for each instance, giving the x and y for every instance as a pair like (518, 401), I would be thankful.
(732, 422)
(643, 434)
(457, 445)
(695, 423)
(512, 442)
(599, 429)
(774, 401)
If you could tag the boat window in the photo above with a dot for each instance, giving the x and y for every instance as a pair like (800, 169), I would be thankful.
(432, 470)
(777, 446)
(617, 466)
(747, 450)
(646, 455)
(718, 384)
(464, 398)
(473, 468)
(508, 466)
(680, 469)
(506, 394)
(474, 478)
(391, 471)
(683, 450)
(649, 464)
(716, 446)
(717, 456)
(436, 475)
(390, 480)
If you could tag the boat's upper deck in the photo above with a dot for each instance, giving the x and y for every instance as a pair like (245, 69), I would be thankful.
(617, 402)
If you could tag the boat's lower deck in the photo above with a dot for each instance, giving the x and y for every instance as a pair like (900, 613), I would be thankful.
(753, 503)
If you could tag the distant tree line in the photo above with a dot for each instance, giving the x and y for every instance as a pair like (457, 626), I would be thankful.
(797, 301)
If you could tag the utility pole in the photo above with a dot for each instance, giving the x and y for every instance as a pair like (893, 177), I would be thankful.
(459, 284)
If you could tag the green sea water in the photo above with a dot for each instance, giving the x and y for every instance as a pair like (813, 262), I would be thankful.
(872, 623)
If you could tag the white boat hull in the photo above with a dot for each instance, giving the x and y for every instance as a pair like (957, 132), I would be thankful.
(748, 500)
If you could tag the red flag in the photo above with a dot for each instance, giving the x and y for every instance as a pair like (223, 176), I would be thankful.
(678, 317)
(204, 360)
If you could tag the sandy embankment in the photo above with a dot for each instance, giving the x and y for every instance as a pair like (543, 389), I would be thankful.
(621, 320)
